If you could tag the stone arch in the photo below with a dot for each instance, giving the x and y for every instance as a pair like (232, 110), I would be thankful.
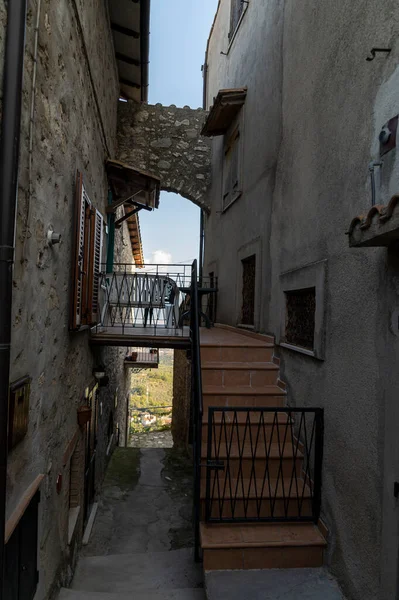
(167, 141)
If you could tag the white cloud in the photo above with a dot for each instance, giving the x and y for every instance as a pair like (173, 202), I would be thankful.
(161, 257)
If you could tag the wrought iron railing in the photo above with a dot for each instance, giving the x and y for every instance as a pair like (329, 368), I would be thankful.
(196, 404)
(263, 464)
(150, 297)
(142, 356)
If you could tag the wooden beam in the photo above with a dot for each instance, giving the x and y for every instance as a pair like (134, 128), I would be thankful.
(127, 59)
(119, 222)
(125, 30)
(130, 83)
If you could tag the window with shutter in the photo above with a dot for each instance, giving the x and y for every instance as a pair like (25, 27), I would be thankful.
(87, 255)
(232, 168)
(96, 242)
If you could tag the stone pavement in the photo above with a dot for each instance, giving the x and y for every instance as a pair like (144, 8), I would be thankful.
(153, 439)
(273, 584)
(142, 541)
(145, 505)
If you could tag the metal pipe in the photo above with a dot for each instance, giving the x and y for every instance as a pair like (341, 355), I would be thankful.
(9, 159)
(145, 11)
(201, 249)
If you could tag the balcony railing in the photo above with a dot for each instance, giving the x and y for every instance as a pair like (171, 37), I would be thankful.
(142, 358)
(153, 300)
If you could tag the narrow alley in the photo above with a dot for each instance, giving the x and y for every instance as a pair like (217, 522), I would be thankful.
(142, 540)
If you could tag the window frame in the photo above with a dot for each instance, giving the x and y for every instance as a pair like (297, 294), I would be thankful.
(234, 30)
(236, 145)
(308, 276)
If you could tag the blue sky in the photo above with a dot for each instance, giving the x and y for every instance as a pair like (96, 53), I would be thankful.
(179, 32)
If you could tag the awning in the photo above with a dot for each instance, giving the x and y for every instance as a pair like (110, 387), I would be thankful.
(132, 186)
(227, 105)
(130, 24)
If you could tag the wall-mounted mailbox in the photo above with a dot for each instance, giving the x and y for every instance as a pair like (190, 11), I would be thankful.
(18, 411)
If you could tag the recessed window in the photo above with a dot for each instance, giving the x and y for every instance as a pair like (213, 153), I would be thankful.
(236, 11)
(300, 317)
(232, 167)
(248, 291)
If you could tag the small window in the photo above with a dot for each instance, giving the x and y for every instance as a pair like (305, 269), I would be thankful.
(232, 167)
(300, 317)
(236, 10)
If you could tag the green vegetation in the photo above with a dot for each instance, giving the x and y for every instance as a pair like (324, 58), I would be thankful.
(151, 397)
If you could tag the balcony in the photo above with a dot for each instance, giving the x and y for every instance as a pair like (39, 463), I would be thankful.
(142, 358)
(148, 306)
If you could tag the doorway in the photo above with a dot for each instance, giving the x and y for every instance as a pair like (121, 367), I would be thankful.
(248, 291)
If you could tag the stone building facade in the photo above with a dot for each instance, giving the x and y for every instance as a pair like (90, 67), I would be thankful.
(75, 105)
(166, 141)
(308, 130)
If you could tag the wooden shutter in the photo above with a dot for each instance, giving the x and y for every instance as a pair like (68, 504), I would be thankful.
(96, 242)
(77, 288)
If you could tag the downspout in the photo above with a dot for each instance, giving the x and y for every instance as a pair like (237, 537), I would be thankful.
(202, 230)
(145, 11)
(9, 159)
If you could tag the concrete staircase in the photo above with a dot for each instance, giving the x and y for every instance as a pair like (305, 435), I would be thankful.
(239, 370)
(148, 576)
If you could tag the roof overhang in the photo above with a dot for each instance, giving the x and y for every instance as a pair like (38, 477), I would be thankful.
(133, 224)
(130, 25)
(132, 186)
(227, 105)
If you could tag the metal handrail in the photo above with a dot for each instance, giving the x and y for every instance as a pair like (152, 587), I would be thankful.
(197, 402)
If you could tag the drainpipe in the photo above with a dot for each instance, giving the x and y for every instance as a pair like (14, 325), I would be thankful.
(202, 232)
(9, 158)
(145, 11)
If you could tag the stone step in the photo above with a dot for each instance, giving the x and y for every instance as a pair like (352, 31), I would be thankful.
(182, 594)
(122, 573)
(253, 374)
(270, 396)
(261, 546)
(247, 353)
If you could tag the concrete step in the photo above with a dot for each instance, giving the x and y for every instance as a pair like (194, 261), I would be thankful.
(261, 546)
(273, 584)
(121, 573)
(182, 594)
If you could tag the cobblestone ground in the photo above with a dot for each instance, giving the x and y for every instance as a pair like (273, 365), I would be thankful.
(146, 503)
(154, 439)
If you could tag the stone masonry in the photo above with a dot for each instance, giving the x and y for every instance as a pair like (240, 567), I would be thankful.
(166, 141)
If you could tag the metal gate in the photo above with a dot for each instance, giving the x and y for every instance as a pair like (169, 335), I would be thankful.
(263, 464)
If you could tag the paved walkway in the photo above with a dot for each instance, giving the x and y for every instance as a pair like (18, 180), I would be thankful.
(142, 542)
(146, 503)
(154, 439)
(273, 584)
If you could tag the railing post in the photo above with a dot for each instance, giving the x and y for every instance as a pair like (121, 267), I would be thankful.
(318, 462)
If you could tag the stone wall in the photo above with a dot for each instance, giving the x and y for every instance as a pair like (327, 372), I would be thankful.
(74, 129)
(181, 398)
(166, 141)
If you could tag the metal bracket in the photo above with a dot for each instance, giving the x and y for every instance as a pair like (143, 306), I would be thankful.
(374, 51)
